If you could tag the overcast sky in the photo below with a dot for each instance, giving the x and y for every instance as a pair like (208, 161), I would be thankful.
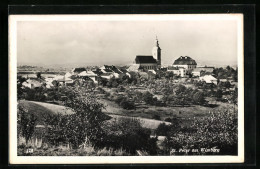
(118, 42)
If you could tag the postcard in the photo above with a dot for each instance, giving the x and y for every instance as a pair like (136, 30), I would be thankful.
(126, 89)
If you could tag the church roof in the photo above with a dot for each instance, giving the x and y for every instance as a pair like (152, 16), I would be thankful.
(185, 60)
(145, 59)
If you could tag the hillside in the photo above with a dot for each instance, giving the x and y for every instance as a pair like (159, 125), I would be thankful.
(41, 109)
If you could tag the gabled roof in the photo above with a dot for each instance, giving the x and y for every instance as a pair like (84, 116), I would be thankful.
(134, 68)
(78, 70)
(145, 59)
(185, 60)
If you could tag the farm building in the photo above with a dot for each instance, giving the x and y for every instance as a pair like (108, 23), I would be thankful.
(32, 83)
(199, 70)
(179, 71)
(89, 74)
(209, 79)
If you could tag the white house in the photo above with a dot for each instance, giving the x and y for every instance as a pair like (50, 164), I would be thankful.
(197, 71)
(107, 75)
(32, 83)
(209, 79)
(185, 62)
(179, 71)
(89, 74)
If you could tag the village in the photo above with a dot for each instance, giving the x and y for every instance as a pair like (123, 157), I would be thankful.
(166, 100)
(182, 71)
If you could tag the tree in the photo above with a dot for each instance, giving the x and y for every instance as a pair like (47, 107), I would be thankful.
(198, 98)
(148, 98)
(162, 129)
(20, 90)
(156, 117)
(219, 94)
(85, 125)
(129, 135)
(26, 122)
(39, 75)
(126, 104)
(179, 89)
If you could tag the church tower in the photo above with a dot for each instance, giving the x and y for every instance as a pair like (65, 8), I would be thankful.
(157, 52)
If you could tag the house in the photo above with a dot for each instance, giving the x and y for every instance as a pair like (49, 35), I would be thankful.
(209, 79)
(32, 83)
(198, 71)
(178, 71)
(185, 62)
(76, 71)
(89, 74)
(107, 75)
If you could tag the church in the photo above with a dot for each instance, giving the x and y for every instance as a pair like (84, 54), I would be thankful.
(148, 62)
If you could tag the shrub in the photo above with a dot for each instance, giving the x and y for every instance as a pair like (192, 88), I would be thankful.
(218, 130)
(129, 135)
(156, 117)
(127, 105)
(26, 122)
(162, 129)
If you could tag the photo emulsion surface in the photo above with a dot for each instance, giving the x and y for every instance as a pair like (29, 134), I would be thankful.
(111, 88)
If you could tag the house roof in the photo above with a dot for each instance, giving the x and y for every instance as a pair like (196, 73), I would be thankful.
(133, 67)
(208, 78)
(145, 59)
(185, 60)
(87, 73)
(106, 74)
(79, 69)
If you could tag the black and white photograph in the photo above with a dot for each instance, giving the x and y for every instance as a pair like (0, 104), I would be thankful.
(158, 88)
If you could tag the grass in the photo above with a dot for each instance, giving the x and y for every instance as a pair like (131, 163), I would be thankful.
(40, 109)
(146, 123)
(36, 109)
(185, 113)
(64, 151)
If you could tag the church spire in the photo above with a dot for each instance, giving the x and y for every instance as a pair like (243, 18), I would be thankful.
(157, 52)
(156, 41)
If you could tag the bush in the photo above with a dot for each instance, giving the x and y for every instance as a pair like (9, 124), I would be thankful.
(127, 105)
(156, 117)
(162, 129)
(129, 135)
(218, 130)
(26, 122)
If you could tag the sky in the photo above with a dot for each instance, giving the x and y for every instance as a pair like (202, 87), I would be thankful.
(87, 43)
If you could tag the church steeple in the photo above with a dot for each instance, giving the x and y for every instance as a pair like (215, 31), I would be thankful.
(157, 52)
(157, 42)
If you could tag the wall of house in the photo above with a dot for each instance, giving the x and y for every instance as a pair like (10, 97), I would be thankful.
(188, 67)
(149, 66)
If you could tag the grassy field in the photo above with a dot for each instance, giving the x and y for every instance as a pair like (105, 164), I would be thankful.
(40, 109)
(184, 113)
